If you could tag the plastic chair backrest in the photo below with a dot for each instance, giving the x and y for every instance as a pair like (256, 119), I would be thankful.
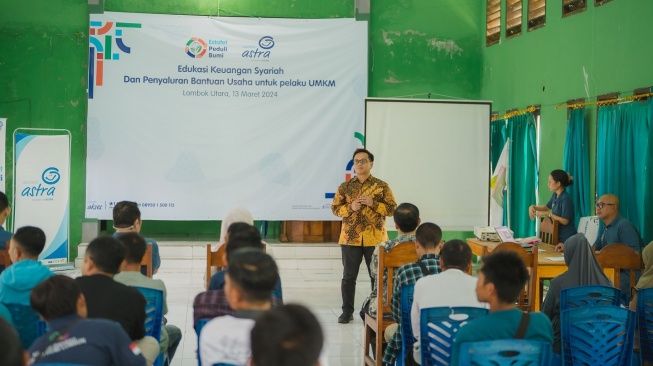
(595, 295)
(407, 338)
(153, 316)
(505, 352)
(25, 321)
(438, 328)
(199, 324)
(645, 323)
(597, 335)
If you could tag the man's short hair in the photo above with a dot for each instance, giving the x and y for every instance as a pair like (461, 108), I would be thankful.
(107, 253)
(135, 247)
(125, 213)
(254, 272)
(4, 201)
(242, 235)
(428, 235)
(30, 239)
(456, 254)
(287, 335)
(55, 297)
(406, 217)
(12, 349)
(506, 270)
(370, 156)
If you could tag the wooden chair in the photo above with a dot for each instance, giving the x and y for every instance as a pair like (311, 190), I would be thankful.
(620, 256)
(549, 230)
(214, 259)
(399, 255)
(147, 261)
(526, 300)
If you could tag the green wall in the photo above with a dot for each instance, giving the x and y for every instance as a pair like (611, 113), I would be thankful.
(43, 63)
(603, 49)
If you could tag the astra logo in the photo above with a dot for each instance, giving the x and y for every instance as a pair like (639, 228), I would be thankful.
(50, 176)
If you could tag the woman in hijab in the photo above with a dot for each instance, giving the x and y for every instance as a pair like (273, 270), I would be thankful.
(645, 281)
(582, 270)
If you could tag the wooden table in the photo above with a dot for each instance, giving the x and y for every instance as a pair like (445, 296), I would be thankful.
(546, 267)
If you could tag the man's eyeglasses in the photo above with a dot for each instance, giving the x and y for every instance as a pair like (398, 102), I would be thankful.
(361, 161)
(603, 204)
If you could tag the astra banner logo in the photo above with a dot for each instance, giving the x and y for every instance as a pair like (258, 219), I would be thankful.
(102, 36)
(196, 47)
(50, 177)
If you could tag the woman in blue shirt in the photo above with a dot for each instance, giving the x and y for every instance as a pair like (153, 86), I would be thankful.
(560, 206)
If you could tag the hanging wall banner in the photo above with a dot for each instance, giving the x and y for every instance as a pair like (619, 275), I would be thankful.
(42, 190)
(3, 149)
(190, 116)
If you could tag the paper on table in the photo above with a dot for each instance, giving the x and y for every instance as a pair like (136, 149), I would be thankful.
(556, 259)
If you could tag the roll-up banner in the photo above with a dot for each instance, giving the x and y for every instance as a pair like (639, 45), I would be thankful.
(42, 188)
(3, 148)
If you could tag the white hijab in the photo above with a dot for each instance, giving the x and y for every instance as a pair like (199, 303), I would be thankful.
(236, 214)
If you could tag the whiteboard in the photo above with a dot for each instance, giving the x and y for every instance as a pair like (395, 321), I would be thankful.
(434, 154)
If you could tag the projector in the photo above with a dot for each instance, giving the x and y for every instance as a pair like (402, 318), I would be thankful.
(486, 233)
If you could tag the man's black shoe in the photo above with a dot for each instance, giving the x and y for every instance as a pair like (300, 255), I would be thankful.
(345, 318)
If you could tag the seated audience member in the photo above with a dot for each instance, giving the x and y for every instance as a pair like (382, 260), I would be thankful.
(406, 218)
(616, 230)
(428, 244)
(130, 275)
(108, 299)
(646, 281)
(289, 335)
(4, 213)
(71, 338)
(127, 219)
(582, 270)
(12, 351)
(250, 278)
(452, 287)
(213, 303)
(500, 281)
(18, 280)
(241, 235)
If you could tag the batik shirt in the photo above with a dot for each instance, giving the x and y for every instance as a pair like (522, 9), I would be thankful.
(374, 268)
(367, 225)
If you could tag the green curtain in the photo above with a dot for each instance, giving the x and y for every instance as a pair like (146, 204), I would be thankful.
(623, 164)
(497, 140)
(522, 173)
(576, 162)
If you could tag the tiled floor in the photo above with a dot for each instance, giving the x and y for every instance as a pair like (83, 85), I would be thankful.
(310, 275)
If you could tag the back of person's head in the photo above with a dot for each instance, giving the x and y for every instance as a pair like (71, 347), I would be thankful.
(254, 273)
(135, 247)
(30, 239)
(406, 217)
(4, 201)
(55, 297)
(125, 213)
(107, 253)
(288, 335)
(428, 235)
(562, 177)
(456, 254)
(12, 349)
(506, 270)
(370, 156)
(242, 235)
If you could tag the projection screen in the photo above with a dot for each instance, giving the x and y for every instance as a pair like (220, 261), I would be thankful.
(434, 154)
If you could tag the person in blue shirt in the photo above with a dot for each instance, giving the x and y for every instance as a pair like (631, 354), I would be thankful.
(500, 281)
(5, 210)
(127, 219)
(560, 206)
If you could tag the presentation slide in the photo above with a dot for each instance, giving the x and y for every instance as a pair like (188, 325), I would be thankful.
(191, 116)
(434, 154)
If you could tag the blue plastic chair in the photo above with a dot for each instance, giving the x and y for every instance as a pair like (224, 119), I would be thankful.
(199, 324)
(25, 321)
(153, 316)
(595, 295)
(438, 328)
(505, 352)
(645, 323)
(597, 335)
(407, 338)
